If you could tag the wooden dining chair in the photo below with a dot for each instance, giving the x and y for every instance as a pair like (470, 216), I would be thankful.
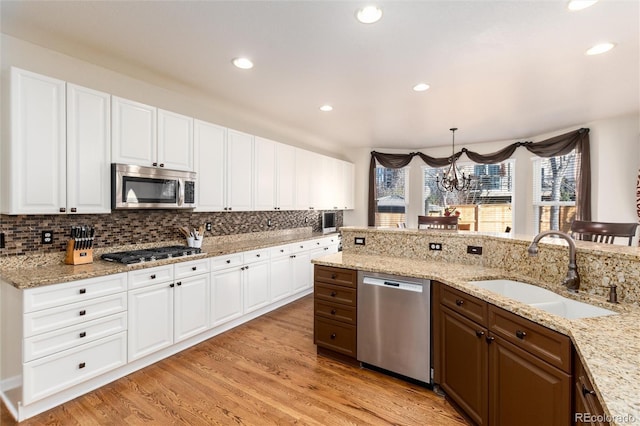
(438, 222)
(602, 232)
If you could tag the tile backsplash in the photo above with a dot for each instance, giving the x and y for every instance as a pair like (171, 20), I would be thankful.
(23, 232)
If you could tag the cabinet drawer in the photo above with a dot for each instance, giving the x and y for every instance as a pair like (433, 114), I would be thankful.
(58, 340)
(60, 294)
(301, 246)
(223, 262)
(188, 269)
(336, 312)
(587, 401)
(279, 251)
(62, 370)
(336, 293)
(464, 304)
(255, 256)
(339, 276)
(336, 336)
(72, 314)
(548, 345)
(148, 276)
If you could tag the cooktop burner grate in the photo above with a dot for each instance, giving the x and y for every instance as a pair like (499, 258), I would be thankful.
(151, 254)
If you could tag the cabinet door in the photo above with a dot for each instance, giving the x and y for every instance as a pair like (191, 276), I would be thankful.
(303, 179)
(320, 182)
(175, 141)
(463, 364)
(150, 320)
(37, 183)
(302, 271)
(256, 286)
(226, 296)
(239, 171)
(281, 275)
(210, 165)
(264, 195)
(191, 306)
(133, 132)
(88, 150)
(331, 184)
(348, 185)
(285, 177)
(525, 390)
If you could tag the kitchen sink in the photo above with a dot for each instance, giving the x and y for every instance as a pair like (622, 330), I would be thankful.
(542, 298)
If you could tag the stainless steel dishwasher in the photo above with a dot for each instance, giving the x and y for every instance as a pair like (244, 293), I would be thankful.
(394, 324)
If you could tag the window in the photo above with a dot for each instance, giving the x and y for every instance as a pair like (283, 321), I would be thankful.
(486, 207)
(391, 196)
(554, 192)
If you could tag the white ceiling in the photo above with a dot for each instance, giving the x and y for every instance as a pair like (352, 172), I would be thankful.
(498, 70)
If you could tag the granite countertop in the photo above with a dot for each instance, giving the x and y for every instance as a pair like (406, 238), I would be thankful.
(25, 272)
(608, 346)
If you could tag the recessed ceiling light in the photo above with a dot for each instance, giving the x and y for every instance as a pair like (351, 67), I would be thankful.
(421, 87)
(243, 63)
(369, 14)
(326, 108)
(600, 48)
(580, 4)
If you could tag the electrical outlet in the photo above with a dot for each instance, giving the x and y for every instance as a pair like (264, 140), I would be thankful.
(435, 246)
(359, 241)
(306, 220)
(474, 249)
(47, 237)
(207, 226)
(1, 240)
(268, 222)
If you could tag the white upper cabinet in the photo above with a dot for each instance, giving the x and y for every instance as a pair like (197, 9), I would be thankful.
(303, 179)
(146, 136)
(175, 141)
(239, 171)
(348, 182)
(59, 147)
(133, 132)
(88, 150)
(285, 177)
(264, 196)
(210, 165)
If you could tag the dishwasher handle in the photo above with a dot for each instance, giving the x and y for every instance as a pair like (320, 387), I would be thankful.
(386, 283)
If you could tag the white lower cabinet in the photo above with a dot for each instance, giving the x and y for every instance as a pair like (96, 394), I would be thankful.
(280, 275)
(191, 306)
(150, 319)
(256, 286)
(226, 295)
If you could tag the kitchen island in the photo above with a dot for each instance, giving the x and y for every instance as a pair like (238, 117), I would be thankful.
(608, 346)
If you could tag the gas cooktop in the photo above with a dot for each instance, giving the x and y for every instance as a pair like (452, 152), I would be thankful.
(150, 254)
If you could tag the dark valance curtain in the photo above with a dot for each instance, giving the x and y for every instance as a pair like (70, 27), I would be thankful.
(558, 145)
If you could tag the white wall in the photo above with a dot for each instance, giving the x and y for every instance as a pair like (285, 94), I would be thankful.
(615, 160)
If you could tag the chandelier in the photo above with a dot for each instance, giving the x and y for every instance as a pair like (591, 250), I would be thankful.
(452, 180)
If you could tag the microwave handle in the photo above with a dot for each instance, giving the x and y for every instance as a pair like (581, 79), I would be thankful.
(180, 193)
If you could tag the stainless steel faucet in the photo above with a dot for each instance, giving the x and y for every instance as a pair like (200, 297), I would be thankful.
(572, 280)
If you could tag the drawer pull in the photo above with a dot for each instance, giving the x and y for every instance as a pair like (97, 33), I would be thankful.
(258, 255)
(333, 312)
(333, 336)
(172, 285)
(179, 283)
(83, 290)
(586, 391)
(334, 276)
(83, 312)
(459, 302)
(228, 260)
(479, 333)
(490, 339)
(195, 268)
(83, 334)
(334, 294)
(281, 251)
(520, 334)
(153, 277)
(81, 365)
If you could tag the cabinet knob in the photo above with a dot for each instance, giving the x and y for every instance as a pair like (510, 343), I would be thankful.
(230, 208)
(73, 209)
(179, 283)
(82, 290)
(228, 260)
(81, 365)
(258, 255)
(194, 268)
(520, 334)
(334, 294)
(334, 276)
(490, 339)
(479, 333)
(586, 391)
(242, 269)
(172, 285)
(333, 336)
(333, 312)
(326, 248)
(62, 209)
(83, 312)
(459, 302)
(161, 164)
(154, 164)
(153, 277)
(83, 334)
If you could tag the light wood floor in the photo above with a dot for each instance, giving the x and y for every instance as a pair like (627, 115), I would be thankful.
(263, 372)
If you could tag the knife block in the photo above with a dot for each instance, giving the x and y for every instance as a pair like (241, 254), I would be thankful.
(77, 257)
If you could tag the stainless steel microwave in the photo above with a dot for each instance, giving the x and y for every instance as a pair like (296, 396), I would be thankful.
(139, 187)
